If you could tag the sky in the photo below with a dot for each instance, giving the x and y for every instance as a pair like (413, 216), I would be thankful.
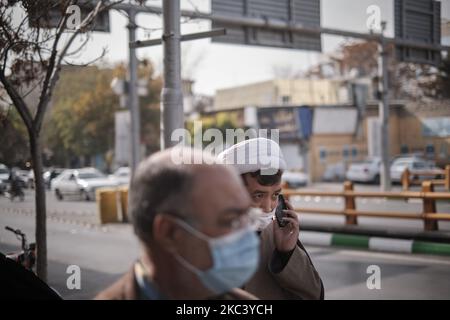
(216, 66)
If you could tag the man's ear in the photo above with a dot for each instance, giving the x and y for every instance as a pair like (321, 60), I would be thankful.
(165, 232)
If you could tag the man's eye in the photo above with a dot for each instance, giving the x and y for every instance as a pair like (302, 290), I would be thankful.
(257, 196)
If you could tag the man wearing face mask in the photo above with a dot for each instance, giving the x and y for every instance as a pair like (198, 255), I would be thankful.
(286, 270)
(194, 224)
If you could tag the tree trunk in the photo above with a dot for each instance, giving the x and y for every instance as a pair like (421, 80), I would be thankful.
(40, 206)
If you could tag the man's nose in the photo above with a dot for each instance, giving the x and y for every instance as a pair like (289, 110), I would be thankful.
(266, 206)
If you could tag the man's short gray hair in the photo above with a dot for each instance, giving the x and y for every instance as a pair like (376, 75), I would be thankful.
(158, 186)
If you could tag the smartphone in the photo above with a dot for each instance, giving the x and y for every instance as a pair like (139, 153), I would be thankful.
(279, 214)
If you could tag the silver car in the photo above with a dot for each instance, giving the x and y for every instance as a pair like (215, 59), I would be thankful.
(4, 176)
(365, 171)
(80, 182)
(415, 164)
(294, 179)
(122, 176)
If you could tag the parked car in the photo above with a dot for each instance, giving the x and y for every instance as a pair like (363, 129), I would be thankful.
(294, 179)
(413, 163)
(4, 176)
(30, 179)
(334, 172)
(51, 174)
(3, 187)
(365, 171)
(4, 172)
(122, 175)
(80, 182)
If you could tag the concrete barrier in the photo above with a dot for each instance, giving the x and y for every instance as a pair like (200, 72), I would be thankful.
(123, 195)
(107, 205)
(374, 243)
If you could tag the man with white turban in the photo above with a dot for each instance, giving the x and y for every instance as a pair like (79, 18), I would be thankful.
(286, 270)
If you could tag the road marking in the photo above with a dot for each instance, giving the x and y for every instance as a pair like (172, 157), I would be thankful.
(395, 245)
(316, 238)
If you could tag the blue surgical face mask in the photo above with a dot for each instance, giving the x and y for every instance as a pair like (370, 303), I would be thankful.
(235, 259)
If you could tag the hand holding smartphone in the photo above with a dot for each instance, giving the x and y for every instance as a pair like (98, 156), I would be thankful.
(279, 214)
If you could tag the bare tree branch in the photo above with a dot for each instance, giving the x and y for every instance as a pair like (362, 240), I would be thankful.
(7, 33)
(24, 95)
(19, 28)
(24, 52)
(5, 100)
(52, 68)
(4, 53)
(50, 82)
(18, 101)
(102, 55)
(77, 50)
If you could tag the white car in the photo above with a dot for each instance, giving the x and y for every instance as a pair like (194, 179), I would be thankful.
(364, 171)
(30, 179)
(4, 176)
(334, 172)
(122, 175)
(80, 182)
(294, 179)
(4, 172)
(416, 164)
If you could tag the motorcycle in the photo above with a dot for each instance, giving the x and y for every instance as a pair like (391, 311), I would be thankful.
(26, 257)
(19, 283)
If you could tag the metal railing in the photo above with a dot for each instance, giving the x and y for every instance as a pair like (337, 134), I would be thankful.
(429, 214)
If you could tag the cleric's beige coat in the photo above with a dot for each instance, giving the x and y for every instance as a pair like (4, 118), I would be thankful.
(298, 280)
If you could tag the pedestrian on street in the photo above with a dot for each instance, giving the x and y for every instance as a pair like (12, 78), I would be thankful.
(194, 227)
(286, 270)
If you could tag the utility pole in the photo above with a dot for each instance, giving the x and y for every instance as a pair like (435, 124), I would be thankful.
(383, 112)
(172, 115)
(133, 99)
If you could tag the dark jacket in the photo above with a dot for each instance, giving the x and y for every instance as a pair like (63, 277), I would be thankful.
(127, 288)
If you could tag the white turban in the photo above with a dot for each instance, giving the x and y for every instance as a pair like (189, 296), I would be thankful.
(253, 155)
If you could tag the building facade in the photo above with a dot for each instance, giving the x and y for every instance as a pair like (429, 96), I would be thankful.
(281, 92)
(334, 133)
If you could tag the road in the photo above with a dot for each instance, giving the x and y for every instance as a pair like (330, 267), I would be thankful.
(103, 253)
(74, 211)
